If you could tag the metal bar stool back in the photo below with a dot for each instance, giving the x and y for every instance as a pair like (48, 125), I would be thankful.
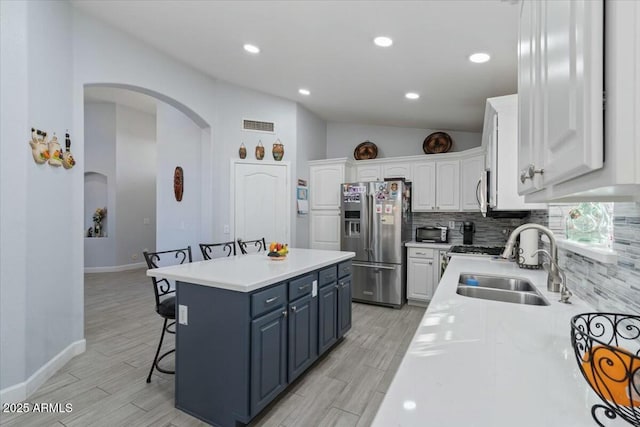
(247, 246)
(217, 250)
(164, 297)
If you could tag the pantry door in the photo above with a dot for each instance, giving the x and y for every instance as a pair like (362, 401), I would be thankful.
(261, 205)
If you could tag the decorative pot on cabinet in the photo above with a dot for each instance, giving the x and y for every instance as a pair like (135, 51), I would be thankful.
(278, 150)
(242, 151)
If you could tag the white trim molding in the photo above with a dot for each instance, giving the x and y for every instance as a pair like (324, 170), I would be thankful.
(19, 392)
(115, 268)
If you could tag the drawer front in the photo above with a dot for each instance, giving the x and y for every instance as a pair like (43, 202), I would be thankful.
(421, 253)
(267, 300)
(344, 268)
(301, 286)
(328, 275)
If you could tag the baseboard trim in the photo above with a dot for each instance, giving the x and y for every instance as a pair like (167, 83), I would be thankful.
(115, 268)
(20, 391)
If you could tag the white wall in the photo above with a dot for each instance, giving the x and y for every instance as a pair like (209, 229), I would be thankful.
(41, 250)
(136, 167)
(343, 138)
(100, 157)
(178, 144)
(311, 135)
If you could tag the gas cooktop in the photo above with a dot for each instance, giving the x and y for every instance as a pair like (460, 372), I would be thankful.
(477, 250)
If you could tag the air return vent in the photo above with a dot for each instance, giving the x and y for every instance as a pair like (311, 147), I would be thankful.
(258, 126)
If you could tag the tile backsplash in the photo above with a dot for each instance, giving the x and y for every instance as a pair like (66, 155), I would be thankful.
(607, 287)
(489, 231)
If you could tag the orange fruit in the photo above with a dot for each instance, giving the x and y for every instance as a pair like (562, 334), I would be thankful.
(610, 370)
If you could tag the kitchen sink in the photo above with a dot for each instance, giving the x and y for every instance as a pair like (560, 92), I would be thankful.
(499, 288)
(498, 282)
(528, 298)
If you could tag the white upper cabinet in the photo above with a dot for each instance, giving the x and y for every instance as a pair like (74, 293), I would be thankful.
(423, 197)
(448, 185)
(560, 84)
(500, 135)
(397, 170)
(324, 185)
(368, 172)
(469, 182)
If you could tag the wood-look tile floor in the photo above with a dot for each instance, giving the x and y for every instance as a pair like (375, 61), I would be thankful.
(106, 385)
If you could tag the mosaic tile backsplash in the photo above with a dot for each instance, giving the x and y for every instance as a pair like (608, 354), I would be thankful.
(607, 287)
(489, 231)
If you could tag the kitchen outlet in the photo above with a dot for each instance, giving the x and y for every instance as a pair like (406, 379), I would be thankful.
(452, 225)
(183, 314)
(225, 229)
(146, 221)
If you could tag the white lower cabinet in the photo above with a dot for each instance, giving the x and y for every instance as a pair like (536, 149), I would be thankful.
(325, 230)
(423, 272)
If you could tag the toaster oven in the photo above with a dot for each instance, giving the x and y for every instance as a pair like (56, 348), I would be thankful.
(432, 234)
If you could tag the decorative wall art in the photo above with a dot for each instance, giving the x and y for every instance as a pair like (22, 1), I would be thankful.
(302, 197)
(178, 183)
(278, 150)
(67, 158)
(259, 151)
(39, 147)
(44, 151)
(242, 152)
(55, 152)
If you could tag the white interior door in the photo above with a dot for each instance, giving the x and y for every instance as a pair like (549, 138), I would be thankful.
(261, 201)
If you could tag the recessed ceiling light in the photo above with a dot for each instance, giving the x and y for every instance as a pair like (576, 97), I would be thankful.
(383, 41)
(304, 92)
(411, 95)
(479, 57)
(251, 48)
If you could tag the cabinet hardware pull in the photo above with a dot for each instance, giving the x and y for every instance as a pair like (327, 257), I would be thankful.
(284, 313)
(304, 287)
(270, 300)
(529, 172)
(420, 253)
(293, 308)
(430, 262)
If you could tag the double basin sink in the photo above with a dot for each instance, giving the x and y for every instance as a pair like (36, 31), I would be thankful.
(499, 288)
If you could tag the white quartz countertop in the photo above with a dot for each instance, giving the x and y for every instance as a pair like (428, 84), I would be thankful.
(246, 273)
(441, 246)
(475, 362)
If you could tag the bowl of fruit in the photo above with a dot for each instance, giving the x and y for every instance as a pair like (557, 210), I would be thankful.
(278, 251)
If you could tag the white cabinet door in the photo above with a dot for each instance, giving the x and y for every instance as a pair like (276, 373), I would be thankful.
(423, 197)
(448, 185)
(324, 186)
(368, 173)
(470, 179)
(261, 202)
(325, 230)
(528, 94)
(397, 170)
(560, 75)
(420, 275)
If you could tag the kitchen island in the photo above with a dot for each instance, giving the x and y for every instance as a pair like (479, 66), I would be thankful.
(475, 362)
(248, 326)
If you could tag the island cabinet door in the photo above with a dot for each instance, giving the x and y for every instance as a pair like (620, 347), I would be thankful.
(303, 328)
(327, 316)
(268, 358)
(344, 305)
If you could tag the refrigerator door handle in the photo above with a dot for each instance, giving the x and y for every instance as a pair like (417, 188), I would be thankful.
(382, 267)
(370, 224)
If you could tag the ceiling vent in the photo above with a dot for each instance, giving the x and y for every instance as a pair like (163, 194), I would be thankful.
(258, 126)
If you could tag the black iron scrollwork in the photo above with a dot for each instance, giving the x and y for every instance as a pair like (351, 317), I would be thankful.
(607, 347)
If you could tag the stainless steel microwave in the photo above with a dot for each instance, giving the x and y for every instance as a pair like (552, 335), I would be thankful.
(432, 234)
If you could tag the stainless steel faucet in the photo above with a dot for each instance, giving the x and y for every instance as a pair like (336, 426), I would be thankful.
(554, 279)
(565, 293)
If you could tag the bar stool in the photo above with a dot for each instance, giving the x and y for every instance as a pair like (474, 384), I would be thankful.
(165, 302)
(208, 249)
(259, 245)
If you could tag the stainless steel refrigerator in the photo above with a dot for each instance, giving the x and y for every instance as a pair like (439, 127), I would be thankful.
(376, 222)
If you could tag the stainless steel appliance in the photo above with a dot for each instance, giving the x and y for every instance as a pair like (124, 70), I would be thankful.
(376, 222)
(486, 194)
(432, 234)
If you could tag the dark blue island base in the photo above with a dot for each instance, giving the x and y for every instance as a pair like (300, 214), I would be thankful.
(240, 350)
